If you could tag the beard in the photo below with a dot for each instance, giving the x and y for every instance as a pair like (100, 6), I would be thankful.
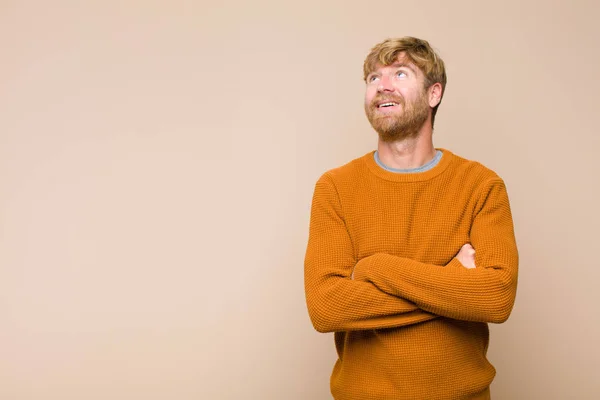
(393, 127)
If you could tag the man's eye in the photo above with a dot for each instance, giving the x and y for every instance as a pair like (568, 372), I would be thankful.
(400, 73)
(373, 78)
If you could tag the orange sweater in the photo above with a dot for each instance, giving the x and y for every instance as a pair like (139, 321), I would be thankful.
(410, 321)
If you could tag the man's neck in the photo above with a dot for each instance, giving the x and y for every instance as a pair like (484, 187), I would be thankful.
(408, 153)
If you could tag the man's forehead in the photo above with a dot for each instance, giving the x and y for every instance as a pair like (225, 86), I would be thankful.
(401, 61)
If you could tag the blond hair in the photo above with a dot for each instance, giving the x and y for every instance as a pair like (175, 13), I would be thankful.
(417, 51)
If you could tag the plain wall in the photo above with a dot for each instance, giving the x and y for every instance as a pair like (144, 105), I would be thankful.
(157, 163)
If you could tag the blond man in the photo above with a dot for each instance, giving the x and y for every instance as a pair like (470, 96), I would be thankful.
(411, 251)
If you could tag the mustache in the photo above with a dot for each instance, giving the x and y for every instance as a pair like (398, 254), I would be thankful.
(384, 99)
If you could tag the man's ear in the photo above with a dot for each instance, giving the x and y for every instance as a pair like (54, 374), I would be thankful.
(435, 94)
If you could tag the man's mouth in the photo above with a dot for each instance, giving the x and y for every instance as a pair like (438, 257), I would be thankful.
(387, 104)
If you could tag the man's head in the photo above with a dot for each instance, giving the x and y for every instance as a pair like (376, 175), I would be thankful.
(405, 83)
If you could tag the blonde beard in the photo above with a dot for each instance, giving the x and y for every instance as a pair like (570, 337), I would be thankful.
(400, 127)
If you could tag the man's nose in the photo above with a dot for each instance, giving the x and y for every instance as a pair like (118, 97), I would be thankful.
(385, 84)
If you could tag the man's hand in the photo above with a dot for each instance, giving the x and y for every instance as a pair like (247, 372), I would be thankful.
(466, 256)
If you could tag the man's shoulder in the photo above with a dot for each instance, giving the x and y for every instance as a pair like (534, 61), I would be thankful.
(472, 169)
(349, 171)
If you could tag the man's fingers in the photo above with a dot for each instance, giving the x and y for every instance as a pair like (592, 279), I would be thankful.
(466, 256)
(467, 249)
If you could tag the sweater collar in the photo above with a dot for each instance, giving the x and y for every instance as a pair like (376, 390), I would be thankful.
(377, 170)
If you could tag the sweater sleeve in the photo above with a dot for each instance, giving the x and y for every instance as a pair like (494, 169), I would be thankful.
(335, 301)
(484, 294)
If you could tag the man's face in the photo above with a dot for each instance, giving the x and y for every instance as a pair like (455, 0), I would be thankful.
(396, 102)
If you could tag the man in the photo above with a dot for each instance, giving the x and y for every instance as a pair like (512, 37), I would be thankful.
(411, 250)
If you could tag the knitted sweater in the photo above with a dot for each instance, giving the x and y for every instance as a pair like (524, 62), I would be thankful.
(410, 321)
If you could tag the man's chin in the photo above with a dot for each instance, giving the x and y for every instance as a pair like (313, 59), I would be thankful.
(390, 138)
(388, 135)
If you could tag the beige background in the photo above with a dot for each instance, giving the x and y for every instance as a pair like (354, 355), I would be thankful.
(157, 162)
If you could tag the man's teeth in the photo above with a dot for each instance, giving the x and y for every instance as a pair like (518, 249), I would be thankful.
(388, 104)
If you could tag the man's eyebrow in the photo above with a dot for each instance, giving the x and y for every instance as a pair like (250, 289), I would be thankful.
(404, 65)
(396, 65)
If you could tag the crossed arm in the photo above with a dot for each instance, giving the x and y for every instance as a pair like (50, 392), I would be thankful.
(389, 291)
(335, 301)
